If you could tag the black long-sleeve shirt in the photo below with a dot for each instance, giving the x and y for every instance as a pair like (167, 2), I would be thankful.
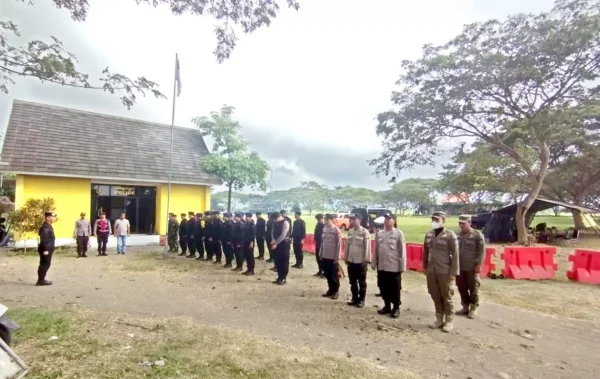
(183, 229)
(249, 232)
(198, 232)
(299, 229)
(319, 231)
(226, 232)
(217, 228)
(269, 235)
(260, 228)
(47, 238)
(238, 233)
(191, 228)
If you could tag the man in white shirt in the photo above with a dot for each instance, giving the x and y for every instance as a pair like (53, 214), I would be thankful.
(122, 230)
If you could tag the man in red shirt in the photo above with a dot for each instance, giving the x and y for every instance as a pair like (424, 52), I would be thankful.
(102, 231)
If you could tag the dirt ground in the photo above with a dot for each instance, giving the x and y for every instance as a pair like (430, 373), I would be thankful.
(504, 342)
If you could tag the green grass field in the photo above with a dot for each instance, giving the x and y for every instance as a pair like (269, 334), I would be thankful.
(415, 227)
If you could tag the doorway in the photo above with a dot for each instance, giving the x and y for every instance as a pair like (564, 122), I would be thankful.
(138, 204)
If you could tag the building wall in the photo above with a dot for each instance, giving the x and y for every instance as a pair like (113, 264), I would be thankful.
(184, 198)
(71, 197)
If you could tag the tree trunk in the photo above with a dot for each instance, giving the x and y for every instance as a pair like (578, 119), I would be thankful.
(578, 219)
(229, 198)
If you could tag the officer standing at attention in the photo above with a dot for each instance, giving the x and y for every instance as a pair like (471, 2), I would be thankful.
(198, 237)
(330, 256)
(318, 239)
(280, 245)
(205, 230)
(191, 234)
(46, 248)
(289, 220)
(238, 241)
(183, 234)
(248, 244)
(389, 259)
(357, 256)
(226, 234)
(472, 254)
(82, 232)
(441, 265)
(260, 235)
(269, 237)
(216, 245)
(173, 232)
(298, 234)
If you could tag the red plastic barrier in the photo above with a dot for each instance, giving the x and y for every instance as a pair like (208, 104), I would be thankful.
(585, 267)
(414, 257)
(533, 263)
(487, 265)
(308, 243)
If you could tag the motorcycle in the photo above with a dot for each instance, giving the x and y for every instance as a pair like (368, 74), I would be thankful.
(11, 366)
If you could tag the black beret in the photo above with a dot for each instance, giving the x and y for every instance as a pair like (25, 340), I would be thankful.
(239, 214)
(258, 213)
(248, 214)
(226, 214)
(191, 213)
(275, 215)
(49, 214)
(183, 215)
(198, 214)
(319, 216)
(298, 213)
(207, 213)
(216, 213)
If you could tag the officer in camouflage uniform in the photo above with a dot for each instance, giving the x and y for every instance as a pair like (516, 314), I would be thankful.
(173, 233)
(441, 264)
(472, 254)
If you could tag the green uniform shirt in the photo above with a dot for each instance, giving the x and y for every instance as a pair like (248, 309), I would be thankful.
(440, 254)
(472, 249)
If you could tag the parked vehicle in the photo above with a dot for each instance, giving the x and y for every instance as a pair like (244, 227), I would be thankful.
(369, 215)
(342, 221)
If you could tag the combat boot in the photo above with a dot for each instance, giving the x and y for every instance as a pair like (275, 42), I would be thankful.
(439, 322)
(472, 311)
(464, 311)
(447, 327)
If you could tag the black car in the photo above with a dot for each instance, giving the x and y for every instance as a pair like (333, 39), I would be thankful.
(369, 215)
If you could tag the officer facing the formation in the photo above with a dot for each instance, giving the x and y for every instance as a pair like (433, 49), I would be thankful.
(298, 234)
(289, 220)
(260, 235)
(198, 236)
(280, 245)
(216, 245)
(330, 256)
(205, 230)
(472, 254)
(172, 233)
(46, 248)
(191, 234)
(318, 239)
(226, 234)
(389, 259)
(183, 234)
(248, 244)
(441, 265)
(238, 241)
(358, 256)
(269, 237)
(82, 232)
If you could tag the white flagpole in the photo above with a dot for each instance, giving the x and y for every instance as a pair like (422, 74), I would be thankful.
(165, 252)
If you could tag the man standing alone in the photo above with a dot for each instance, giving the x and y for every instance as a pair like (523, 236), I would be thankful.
(390, 262)
(298, 234)
(330, 256)
(122, 231)
(318, 239)
(358, 257)
(472, 254)
(260, 235)
(102, 231)
(280, 245)
(82, 232)
(441, 265)
(46, 248)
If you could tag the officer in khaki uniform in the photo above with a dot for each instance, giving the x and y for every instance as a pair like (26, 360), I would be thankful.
(441, 264)
(389, 260)
(329, 253)
(472, 254)
(357, 256)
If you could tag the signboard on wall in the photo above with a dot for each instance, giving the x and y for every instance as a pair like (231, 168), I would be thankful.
(122, 191)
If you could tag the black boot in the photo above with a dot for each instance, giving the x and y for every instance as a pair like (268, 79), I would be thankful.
(385, 310)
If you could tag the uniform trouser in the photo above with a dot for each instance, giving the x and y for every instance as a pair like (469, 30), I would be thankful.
(239, 256)
(357, 276)
(282, 259)
(248, 255)
(228, 251)
(183, 243)
(207, 246)
(200, 247)
(298, 250)
(217, 250)
(45, 261)
(441, 291)
(191, 243)
(102, 238)
(260, 243)
(468, 286)
(82, 244)
(330, 269)
(390, 285)
(172, 241)
(271, 251)
(317, 248)
(210, 248)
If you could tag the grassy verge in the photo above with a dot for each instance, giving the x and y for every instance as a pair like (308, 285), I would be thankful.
(100, 345)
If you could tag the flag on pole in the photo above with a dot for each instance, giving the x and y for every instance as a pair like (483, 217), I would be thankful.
(177, 75)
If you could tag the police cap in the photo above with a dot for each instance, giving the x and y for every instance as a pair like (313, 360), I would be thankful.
(248, 214)
(388, 215)
(49, 214)
(239, 214)
(191, 213)
(258, 214)
(183, 214)
(207, 213)
(438, 215)
(172, 214)
(319, 216)
(226, 214)
(356, 215)
(283, 212)
(275, 215)
(215, 213)
(298, 213)
(464, 219)
(198, 214)
(329, 216)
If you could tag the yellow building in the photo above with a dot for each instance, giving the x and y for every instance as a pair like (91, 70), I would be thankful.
(90, 162)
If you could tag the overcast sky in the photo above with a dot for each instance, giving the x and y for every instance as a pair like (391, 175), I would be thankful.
(306, 89)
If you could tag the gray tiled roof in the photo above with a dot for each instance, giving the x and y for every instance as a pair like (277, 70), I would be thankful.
(52, 140)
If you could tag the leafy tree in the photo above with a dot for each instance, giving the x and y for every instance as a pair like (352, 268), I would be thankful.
(219, 200)
(26, 220)
(230, 159)
(528, 79)
(49, 61)
(314, 195)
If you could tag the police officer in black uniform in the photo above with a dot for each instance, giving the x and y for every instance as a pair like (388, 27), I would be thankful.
(283, 213)
(248, 244)
(260, 235)
(46, 248)
(191, 234)
(281, 245)
(199, 237)
(209, 235)
(318, 239)
(216, 245)
(269, 237)
(298, 234)
(183, 234)
(238, 240)
(226, 234)
(205, 231)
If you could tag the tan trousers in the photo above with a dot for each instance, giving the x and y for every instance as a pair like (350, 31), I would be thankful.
(441, 291)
